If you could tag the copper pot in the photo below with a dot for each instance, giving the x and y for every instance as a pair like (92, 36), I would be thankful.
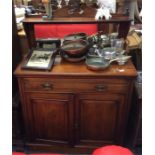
(75, 48)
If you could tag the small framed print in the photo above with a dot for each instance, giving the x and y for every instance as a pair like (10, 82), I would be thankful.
(42, 59)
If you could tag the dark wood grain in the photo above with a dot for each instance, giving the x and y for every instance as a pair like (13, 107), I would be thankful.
(80, 111)
(78, 69)
(50, 118)
(115, 19)
(100, 119)
(134, 132)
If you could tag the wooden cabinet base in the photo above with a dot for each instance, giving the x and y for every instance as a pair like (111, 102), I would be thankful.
(73, 109)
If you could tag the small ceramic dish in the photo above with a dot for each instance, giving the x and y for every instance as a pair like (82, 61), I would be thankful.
(122, 59)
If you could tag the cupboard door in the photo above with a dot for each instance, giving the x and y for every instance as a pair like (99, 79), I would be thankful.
(50, 118)
(100, 119)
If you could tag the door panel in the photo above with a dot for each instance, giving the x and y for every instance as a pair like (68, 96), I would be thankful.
(100, 119)
(51, 117)
(99, 127)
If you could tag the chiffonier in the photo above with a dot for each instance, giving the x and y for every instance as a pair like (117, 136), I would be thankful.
(73, 108)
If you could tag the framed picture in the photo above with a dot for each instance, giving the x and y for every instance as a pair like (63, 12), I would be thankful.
(42, 59)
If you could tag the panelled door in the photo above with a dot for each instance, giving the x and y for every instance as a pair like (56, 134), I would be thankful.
(100, 119)
(50, 118)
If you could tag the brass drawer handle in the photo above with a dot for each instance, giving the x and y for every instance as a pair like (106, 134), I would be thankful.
(100, 87)
(47, 86)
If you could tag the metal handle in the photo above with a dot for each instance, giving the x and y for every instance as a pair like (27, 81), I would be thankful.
(100, 87)
(47, 85)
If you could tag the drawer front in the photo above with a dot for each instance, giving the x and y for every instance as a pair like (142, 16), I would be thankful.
(76, 85)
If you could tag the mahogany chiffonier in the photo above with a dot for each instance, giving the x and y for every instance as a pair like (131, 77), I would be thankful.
(73, 109)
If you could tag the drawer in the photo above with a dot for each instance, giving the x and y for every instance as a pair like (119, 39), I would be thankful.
(75, 85)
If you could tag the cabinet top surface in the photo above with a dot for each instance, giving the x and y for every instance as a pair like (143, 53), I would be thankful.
(63, 68)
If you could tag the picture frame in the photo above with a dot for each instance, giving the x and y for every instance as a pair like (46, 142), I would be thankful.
(40, 59)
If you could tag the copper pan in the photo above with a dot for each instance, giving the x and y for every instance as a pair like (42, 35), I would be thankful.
(75, 48)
